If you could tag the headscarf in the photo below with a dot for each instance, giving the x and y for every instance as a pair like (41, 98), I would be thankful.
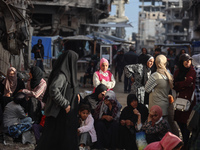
(37, 75)
(158, 111)
(100, 88)
(182, 70)
(102, 107)
(168, 142)
(130, 98)
(161, 62)
(10, 82)
(146, 69)
(66, 63)
(196, 60)
(103, 60)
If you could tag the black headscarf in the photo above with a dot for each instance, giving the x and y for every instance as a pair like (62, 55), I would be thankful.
(100, 88)
(37, 75)
(145, 68)
(130, 98)
(182, 70)
(66, 63)
(127, 112)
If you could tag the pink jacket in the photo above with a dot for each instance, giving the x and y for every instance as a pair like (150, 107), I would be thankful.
(89, 127)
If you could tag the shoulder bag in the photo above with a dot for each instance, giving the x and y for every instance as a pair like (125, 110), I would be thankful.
(183, 104)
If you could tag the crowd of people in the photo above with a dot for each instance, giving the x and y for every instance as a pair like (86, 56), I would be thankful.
(61, 119)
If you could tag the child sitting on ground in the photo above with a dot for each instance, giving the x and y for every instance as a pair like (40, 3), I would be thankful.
(86, 132)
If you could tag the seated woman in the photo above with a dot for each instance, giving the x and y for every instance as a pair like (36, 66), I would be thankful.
(93, 99)
(106, 118)
(36, 88)
(168, 142)
(128, 120)
(10, 86)
(103, 76)
(14, 118)
(155, 126)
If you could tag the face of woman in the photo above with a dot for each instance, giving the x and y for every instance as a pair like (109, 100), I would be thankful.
(107, 102)
(187, 63)
(150, 63)
(11, 73)
(101, 95)
(134, 104)
(104, 67)
(155, 117)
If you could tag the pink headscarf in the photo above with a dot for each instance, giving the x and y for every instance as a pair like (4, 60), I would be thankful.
(103, 60)
(158, 110)
(168, 142)
(10, 82)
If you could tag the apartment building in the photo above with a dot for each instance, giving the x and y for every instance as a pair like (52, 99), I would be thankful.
(150, 28)
(66, 17)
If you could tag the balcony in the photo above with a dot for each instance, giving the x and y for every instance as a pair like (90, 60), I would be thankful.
(170, 33)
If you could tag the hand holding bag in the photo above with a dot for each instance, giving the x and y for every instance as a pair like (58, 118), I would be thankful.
(182, 104)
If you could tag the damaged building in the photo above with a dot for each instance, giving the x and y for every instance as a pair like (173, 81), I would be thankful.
(14, 34)
(22, 19)
(66, 17)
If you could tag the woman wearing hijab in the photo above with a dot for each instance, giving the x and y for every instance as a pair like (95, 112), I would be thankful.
(107, 116)
(103, 76)
(128, 120)
(176, 61)
(159, 85)
(36, 86)
(184, 84)
(141, 73)
(168, 142)
(155, 126)
(93, 99)
(10, 86)
(196, 64)
(61, 109)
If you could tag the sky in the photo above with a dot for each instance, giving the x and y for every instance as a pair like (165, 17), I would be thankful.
(131, 11)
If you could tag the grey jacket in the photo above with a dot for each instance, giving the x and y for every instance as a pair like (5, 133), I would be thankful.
(12, 114)
(57, 96)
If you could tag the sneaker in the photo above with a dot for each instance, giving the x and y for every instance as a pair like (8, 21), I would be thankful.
(81, 148)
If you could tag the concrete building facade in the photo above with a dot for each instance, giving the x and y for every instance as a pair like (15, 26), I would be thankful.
(150, 28)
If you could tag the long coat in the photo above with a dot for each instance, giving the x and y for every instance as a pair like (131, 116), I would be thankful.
(185, 90)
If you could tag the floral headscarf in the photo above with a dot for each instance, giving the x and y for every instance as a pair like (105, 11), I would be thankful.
(102, 107)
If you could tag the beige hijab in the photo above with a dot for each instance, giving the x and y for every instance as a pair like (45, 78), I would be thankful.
(161, 62)
(10, 82)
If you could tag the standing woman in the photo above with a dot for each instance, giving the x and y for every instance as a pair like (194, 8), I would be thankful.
(141, 73)
(61, 109)
(159, 85)
(184, 84)
(103, 76)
